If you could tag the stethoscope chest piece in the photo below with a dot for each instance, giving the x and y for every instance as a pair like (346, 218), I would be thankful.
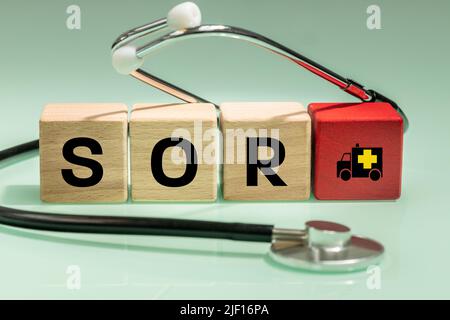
(327, 247)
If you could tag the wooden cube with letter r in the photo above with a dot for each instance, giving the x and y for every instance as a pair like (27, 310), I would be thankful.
(267, 151)
(83, 153)
(173, 152)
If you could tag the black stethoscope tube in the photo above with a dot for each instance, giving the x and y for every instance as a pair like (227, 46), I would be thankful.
(126, 225)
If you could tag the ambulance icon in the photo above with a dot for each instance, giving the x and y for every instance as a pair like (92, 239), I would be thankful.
(361, 163)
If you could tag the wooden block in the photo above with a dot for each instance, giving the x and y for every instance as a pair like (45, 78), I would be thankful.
(83, 153)
(358, 151)
(278, 177)
(166, 168)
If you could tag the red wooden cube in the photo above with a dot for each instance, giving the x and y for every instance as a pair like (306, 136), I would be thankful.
(357, 151)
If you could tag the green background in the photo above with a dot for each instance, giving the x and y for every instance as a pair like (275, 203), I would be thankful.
(42, 61)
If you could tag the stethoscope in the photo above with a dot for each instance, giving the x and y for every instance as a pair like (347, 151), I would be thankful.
(320, 246)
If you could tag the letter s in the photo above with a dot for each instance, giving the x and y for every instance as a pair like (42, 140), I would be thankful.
(96, 167)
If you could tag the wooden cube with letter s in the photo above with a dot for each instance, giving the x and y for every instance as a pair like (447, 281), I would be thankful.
(267, 151)
(83, 153)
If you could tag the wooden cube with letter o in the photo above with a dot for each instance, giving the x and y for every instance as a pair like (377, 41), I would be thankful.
(267, 151)
(173, 152)
(83, 153)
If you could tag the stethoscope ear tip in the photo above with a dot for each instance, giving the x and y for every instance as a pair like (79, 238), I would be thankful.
(125, 60)
(184, 16)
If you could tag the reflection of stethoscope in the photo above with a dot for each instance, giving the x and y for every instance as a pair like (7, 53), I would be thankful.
(321, 246)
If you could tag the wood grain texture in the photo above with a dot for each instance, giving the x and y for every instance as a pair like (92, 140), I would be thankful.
(151, 123)
(294, 131)
(107, 124)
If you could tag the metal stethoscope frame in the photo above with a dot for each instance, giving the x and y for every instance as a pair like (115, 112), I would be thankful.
(321, 246)
(350, 86)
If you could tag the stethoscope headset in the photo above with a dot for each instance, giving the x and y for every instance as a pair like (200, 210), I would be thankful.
(321, 246)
